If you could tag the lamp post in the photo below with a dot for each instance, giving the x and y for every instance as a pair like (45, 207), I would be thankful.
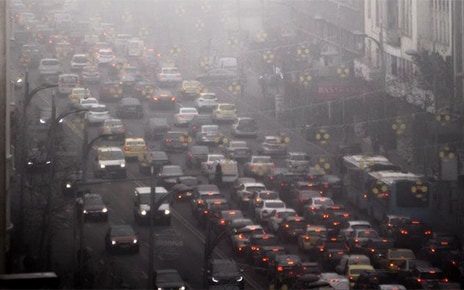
(28, 95)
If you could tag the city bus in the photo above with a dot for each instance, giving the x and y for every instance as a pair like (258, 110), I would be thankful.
(399, 193)
(355, 169)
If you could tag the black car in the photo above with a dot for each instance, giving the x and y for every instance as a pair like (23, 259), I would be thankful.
(46, 119)
(110, 91)
(169, 175)
(168, 279)
(155, 128)
(183, 182)
(439, 246)
(122, 238)
(411, 234)
(222, 272)
(163, 99)
(38, 160)
(197, 122)
(92, 207)
(155, 159)
(69, 186)
(372, 279)
(195, 155)
(129, 108)
(175, 141)
(291, 228)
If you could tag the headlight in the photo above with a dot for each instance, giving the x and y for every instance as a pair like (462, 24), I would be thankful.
(29, 163)
(104, 209)
(102, 166)
(113, 242)
(143, 212)
(167, 211)
(68, 185)
(239, 279)
(182, 288)
(61, 121)
(84, 211)
(48, 162)
(134, 241)
(214, 280)
(123, 165)
(42, 121)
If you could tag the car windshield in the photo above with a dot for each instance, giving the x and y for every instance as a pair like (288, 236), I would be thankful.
(269, 195)
(111, 155)
(214, 158)
(93, 200)
(299, 157)
(367, 234)
(232, 214)
(98, 109)
(188, 111)
(254, 188)
(262, 160)
(275, 204)
(122, 231)
(88, 101)
(69, 79)
(308, 193)
(168, 277)
(267, 241)
(237, 144)
(208, 97)
(135, 143)
(228, 107)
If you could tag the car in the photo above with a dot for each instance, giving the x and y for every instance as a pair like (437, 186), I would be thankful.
(66, 82)
(217, 76)
(328, 251)
(49, 68)
(210, 210)
(71, 183)
(208, 166)
(224, 218)
(352, 225)
(390, 223)
(46, 120)
(134, 148)
(309, 239)
(206, 102)
(105, 56)
(128, 77)
(224, 112)
(272, 145)
(258, 196)
(258, 166)
(168, 279)
(31, 52)
(175, 141)
(202, 193)
(234, 225)
(183, 182)
(143, 200)
(439, 245)
(196, 155)
(144, 90)
(376, 250)
(297, 161)
(358, 239)
(299, 198)
(169, 76)
(224, 273)
(122, 238)
(276, 217)
(333, 217)
(163, 99)
(332, 185)
(353, 272)
(208, 135)
(191, 88)
(169, 174)
(281, 180)
(129, 108)
(76, 95)
(79, 61)
(110, 162)
(291, 227)
(155, 128)
(110, 91)
(241, 238)
(90, 75)
(92, 207)
(87, 103)
(411, 234)
(264, 209)
(346, 260)
(257, 242)
(153, 159)
(282, 267)
(372, 279)
(113, 129)
(197, 121)
(38, 160)
(315, 205)
(244, 127)
(397, 259)
(237, 150)
(244, 192)
(97, 114)
(184, 116)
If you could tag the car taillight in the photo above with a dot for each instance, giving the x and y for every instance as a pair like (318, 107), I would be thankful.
(351, 278)
(280, 269)
(404, 232)
(173, 99)
(286, 226)
(155, 98)
(306, 238)
(222, 222)
(428, 233)
(365, 195)
(432, 250)
(126, 148)
(273, 166)
(205, 212)
(265, 259)
(168, 140)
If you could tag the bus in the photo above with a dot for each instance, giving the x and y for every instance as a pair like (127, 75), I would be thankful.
(399, 193)
(355, 169)
(38, 280)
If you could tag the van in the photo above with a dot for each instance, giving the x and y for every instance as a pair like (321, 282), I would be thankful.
(66, 83)
(49, 67)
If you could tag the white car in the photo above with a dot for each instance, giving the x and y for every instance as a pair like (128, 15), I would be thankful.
(245, 191)
(352, 225)
(97, 114)
(184, 116)
(105, 56)
(277, 216)
(206, 102)
(79, 61)
(169, 75)
(297, 161)
(87, 103)
(208, 167)
(263, 211)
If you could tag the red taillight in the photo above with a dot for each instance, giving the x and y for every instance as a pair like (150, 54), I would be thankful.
(168, 140)
(265, 259)
(280, 269)
(222, 222)
(155, 98)
(306, 238)
(286, 226)
(404, 232)
(126, 148)
(173, 99)
(427, 233)
(205, 211)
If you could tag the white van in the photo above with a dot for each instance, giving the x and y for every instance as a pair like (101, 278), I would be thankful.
(66, 83)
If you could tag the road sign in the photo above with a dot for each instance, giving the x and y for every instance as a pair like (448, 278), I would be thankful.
(168, 244)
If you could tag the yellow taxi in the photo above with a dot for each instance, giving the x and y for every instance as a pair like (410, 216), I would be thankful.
(225, 112)
(191, 88)
(134, 148)
(77, 94)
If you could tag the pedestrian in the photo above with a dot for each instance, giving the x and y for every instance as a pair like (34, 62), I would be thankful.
(218, 174)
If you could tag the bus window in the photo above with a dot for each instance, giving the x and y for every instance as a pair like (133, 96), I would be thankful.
(39, 280)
